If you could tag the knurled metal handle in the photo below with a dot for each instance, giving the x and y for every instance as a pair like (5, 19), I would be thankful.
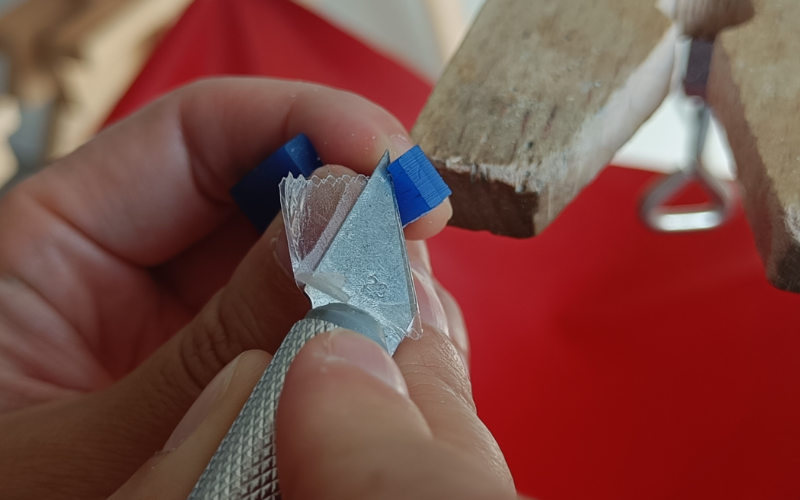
(244, 466)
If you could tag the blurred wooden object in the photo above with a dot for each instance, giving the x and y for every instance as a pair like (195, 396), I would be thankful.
(537, 100)
(9, 123)
(96, 55)
(24, 33)
(449, 26)
(754, 88)
(706, 18)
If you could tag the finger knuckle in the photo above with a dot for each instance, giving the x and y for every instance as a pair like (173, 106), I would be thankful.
(434, 368)
(229, 325)
(206, 347)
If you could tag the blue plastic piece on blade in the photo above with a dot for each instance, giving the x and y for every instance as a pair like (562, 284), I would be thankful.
(418, 186)
(257, 193)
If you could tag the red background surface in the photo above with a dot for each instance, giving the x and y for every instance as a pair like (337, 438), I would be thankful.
(608, 361)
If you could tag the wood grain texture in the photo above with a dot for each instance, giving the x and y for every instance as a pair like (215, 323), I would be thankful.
(537, 100)
(754, 89)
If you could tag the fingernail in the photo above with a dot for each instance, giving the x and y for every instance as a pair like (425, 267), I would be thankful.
(202, 406)
(280, 250)
(400, 144)
(431, 310)
(367, 355)
(333, 170)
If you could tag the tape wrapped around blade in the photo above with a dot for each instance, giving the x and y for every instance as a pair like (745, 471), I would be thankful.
(314, 210)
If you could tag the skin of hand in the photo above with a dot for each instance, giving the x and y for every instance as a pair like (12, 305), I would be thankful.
(129, 279)
(352, 424)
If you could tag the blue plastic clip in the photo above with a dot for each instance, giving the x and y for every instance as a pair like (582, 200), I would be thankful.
(257, 193)
(418, 186)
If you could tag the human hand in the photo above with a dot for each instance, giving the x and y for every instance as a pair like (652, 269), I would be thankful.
(352, 423)
(128, 278)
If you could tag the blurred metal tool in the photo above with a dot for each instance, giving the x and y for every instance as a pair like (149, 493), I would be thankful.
(369, 251)
(653, 210)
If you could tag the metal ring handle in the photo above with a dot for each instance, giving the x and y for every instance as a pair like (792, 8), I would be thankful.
(698, 217)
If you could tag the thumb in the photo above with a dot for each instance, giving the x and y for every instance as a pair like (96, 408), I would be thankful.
(254, 310)
(172, 473)
(346, 428)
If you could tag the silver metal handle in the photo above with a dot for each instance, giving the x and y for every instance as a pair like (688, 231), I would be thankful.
(244, 466)
(690, 217)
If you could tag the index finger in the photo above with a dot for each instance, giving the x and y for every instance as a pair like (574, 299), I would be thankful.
(439, 385)
(152, 185)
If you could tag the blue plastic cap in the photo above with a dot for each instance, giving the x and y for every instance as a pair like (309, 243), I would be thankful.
(418, 186)
(257, 193)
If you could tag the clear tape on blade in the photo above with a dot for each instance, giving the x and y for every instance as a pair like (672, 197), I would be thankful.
(368, 267)
(314, 210)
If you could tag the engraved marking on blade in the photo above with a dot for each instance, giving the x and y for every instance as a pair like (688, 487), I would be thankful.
(370, 242)
(375, 288)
